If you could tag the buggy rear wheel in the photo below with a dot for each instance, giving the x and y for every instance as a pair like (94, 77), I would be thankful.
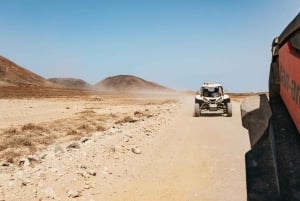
(229, 109)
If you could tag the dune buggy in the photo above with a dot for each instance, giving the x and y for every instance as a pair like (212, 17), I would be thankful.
(211, 99)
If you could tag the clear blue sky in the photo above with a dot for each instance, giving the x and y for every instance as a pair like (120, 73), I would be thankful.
(179, 44)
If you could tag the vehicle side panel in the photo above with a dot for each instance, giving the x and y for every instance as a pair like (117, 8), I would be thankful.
(289, 72)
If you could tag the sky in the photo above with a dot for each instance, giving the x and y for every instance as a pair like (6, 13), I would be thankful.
(176, 43)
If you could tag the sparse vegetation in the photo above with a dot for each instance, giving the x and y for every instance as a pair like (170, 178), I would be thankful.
(10, 131)
(72, 132)
(10, 155)
(31, 127)
(126, 119)
(100, 128)
(169, 101)
(17, 141)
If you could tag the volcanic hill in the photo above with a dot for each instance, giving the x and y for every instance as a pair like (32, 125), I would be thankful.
(128, 83)
(71, 83)
(12, 74)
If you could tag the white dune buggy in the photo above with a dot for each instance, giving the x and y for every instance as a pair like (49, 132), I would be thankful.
(211, 99)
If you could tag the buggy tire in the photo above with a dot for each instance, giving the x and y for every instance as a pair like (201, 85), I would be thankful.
(197, 112)
(229, 109)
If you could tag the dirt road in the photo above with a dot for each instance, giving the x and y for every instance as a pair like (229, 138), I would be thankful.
(186, 159)
(193, 159)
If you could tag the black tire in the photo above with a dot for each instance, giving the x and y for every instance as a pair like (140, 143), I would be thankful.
(274, 88)
(229, 109)
(197, 112)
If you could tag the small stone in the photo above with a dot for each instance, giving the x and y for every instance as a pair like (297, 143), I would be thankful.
(85, 139)
(92, 172)
(33, 159)
(24, 162)
(74, 145)
(83, 167)
(41, 155)
(73, 194)
(6, 164)
(49, 192)
(105, 171)
(83, 174)
(58, 149)
(136, 150)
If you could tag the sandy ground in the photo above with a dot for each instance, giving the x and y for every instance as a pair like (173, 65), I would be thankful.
(124, 148)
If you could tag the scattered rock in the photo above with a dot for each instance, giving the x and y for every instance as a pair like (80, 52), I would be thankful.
(24, 162)
(87, 186)
(136, 150)
(84, 174)
(56, 149)
(129, 135)
(41, 155)
(106, 171)
(49, 192)
(96, 99)
(73, 194)
(74, 145)
(83, 167)
(33, 159)
(92, 172)
(85, 139)
(5, 164)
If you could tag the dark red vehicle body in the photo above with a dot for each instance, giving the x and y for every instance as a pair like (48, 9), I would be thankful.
(289, 73)
(273, 163)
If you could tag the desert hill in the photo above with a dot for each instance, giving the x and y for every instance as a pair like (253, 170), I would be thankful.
(13, 74)
(18, 82)
(71, 83)
(128, 83)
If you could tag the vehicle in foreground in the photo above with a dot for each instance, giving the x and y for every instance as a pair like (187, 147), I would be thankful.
(211, 99)
(273, 123)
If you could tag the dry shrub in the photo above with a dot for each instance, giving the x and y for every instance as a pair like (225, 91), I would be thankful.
(105, 117)
(102, 118)
(127, 119)
(72, 132)
(83, 127)
(10, 131)
(112, 115)
(150, 103)
(11, 155)
(143, 114)
(3, 147)
(149, 115)
(100, 128)
(18, 141)
(138, 113)
(87, 128)
(87, 112)
(44, 140)
(76, 137)
(169, 101)
(32, 126)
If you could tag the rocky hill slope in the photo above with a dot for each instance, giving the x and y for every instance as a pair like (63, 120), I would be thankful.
(128, 83)
(71, 83)
(13, 74)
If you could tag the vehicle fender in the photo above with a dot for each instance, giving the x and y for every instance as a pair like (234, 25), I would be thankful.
(226, 97)
(198, 97)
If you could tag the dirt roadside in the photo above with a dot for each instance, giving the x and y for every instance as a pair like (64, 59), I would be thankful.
(161, 153)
